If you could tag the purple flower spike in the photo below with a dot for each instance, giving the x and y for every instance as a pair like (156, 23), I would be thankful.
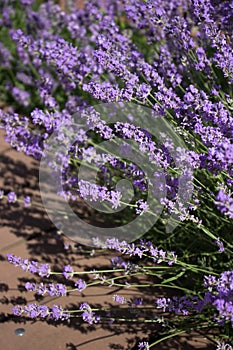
(35, 310)
(32, 266)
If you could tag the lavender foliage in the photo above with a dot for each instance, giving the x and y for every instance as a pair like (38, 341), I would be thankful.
(175, 57)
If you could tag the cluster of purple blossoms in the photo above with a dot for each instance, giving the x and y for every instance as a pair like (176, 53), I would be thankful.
(182, 305)
(143, 345)
(80, 285)
(12, 198)
(224, 202)
(95, 192)
(20, 135)
(68, 272)
(27, 201)
(118, 262)
(219, 297)
(105, 62)
(142, 207)
(22, 96)
(223, 346)
(146, 248)
(58, 289)
(34, 310)
(119, 299)
(88, 315)
(220, 245)
(42, 270)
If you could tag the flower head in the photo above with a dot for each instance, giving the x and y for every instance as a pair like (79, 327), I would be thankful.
(80, 284)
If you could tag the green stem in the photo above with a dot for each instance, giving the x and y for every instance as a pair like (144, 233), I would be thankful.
(167, 337)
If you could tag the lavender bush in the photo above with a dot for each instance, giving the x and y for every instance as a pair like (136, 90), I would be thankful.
(176, 58)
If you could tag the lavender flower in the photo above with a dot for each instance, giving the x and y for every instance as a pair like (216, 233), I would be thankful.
(88, 315)
(27, 201)
(32, 310)
(96, 192)
(41, 289)
(181, 306)
(142, 207)
(158, 255)
(143, 346)
(127, 265)
(220, 245)
(224, 203)
(21, 96)
(30, 286)
(19, 134)
(68, 272)
(6, 57)
(119, 299)
(17, 310)
(58, 289)
(35, 310)
(223, 346)
(43, 269)
(219, 296)
(80, 284)
(58, 313)
(12, 198)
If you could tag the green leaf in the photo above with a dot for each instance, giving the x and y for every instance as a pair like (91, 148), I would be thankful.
(173, 278)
